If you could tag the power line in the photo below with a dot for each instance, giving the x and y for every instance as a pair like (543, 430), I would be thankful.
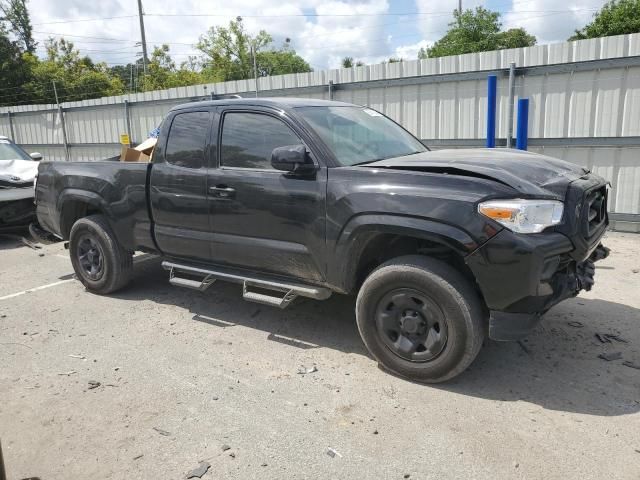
(71, 20)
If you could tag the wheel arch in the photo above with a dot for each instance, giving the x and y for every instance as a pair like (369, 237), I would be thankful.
(74, 204)
(370, 240)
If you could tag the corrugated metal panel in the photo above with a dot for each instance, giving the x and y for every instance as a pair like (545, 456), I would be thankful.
(595, 103)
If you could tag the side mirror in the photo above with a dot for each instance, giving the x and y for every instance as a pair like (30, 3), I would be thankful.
(292, 158)
(36, 156)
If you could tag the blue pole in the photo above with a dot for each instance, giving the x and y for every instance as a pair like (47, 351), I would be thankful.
(523, 124)
(491, 110)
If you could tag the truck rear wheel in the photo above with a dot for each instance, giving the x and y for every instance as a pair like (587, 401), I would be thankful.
(420, 318)
(100, 262)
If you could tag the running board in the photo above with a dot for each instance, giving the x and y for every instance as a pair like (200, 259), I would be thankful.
(283, 292)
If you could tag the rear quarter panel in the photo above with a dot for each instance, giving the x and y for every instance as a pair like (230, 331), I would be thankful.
(116, 189)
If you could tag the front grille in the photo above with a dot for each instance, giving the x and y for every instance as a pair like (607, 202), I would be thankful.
(594, 211)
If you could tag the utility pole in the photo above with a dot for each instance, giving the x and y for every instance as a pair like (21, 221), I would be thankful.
(143, 38)
(255, 68)
(460, 7)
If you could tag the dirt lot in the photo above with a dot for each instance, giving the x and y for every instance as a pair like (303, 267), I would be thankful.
(188, 376)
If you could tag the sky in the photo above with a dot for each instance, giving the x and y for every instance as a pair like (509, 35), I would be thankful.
(321, 31)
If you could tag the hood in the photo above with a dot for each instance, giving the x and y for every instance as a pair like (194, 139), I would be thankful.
(18, 171)
(528, 173)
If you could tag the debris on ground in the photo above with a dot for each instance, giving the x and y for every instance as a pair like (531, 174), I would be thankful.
(225, 447)
(305, 370)
(93, 384)
(81, 357)
(610, 356)
(263, 464)
(215, 397)
(607, 337)
(138, 457)
(575, 324)
(333, 452)
(30, 244)
(627, 363)
(232, 455)
(199, 471)
(617, 338)
(41, 254)
(71, 372)
(164, 433)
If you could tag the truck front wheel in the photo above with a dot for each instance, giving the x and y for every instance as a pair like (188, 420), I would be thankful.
(100, 262)
(420, 318)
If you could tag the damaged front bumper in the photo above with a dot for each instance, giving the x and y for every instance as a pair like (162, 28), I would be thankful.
(523, 276)
(16, 213)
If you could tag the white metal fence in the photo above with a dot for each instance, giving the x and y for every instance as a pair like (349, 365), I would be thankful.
(584, 107)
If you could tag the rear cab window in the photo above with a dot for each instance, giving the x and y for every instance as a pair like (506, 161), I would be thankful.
(187, 139)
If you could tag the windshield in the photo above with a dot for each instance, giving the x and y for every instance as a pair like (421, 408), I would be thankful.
(358, 135)
(10, 151)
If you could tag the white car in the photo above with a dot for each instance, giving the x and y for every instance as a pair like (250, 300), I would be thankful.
(18, 171)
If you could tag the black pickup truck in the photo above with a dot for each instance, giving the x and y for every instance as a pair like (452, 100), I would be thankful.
(300, 197)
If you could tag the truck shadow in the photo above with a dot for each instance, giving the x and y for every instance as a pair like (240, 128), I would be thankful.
(556, 368)
(12, 238)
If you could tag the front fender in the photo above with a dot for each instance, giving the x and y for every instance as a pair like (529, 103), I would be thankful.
(360, 229)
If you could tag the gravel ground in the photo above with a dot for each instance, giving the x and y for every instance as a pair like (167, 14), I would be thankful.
(186, 377)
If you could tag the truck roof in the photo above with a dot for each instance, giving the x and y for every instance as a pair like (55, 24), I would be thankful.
(283, 103)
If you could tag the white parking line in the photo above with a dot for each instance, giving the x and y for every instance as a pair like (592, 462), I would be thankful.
(6, 297)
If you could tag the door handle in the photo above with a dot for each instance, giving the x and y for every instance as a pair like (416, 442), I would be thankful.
(222, 191)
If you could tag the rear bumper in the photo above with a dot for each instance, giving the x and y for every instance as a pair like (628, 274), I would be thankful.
(523, 276)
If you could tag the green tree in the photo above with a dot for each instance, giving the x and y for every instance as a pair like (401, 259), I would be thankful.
(347, 62)
(16, 14)
(226, 54)
(477, 31)
(77, 77)
(515, 38)
(15, 43)
(617, 17)
(163, 73)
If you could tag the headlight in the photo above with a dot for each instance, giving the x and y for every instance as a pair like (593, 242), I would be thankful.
(523, 216)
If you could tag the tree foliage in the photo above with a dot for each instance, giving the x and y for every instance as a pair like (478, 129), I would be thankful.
(227, 54)
(76, 77)
(477, 30)
(163, 73)
(16, 15)
(348, 62)
(618, 17)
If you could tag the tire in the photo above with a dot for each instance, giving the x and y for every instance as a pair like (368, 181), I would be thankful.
(100, 262)
(420, 319)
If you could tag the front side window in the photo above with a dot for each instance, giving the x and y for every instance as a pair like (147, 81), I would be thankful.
(249, 138)
(358, 135)
(187, 139)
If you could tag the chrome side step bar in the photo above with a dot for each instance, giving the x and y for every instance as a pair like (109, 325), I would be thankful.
(283, 292)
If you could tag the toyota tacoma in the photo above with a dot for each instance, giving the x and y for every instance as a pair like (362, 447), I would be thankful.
(305, 198)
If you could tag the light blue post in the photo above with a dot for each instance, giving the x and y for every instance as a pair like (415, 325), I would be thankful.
(491, 110)
(523, 124)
